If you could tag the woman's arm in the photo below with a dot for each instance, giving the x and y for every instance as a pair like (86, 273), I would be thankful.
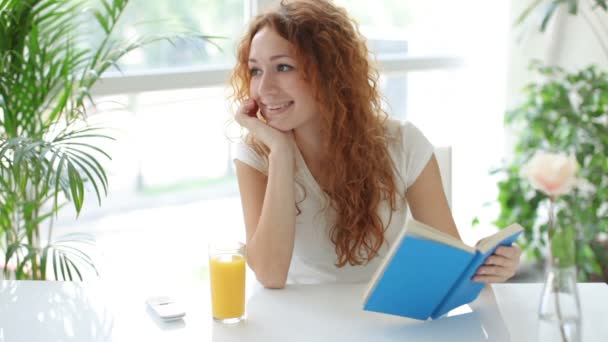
(268, 202)
(428, 204)
(270, 216)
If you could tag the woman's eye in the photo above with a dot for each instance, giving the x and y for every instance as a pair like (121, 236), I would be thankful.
(284, 67)
(254, 71)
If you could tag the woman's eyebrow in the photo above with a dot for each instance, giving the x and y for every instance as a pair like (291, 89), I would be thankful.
(253, 60)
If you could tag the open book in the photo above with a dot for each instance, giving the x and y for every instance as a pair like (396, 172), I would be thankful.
(427, 273)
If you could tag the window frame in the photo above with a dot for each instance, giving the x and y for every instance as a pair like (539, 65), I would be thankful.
(216, 75)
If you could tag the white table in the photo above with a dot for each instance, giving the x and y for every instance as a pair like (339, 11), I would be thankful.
(57, 311)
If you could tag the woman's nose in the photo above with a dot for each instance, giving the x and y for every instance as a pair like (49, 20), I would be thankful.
(267, 85)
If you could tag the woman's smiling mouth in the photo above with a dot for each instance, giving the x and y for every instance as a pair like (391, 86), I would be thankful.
(275, 109)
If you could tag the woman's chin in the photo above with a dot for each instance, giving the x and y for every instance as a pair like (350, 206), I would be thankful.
(279, 126)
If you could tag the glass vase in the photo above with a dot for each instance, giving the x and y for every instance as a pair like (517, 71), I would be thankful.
(559, 312)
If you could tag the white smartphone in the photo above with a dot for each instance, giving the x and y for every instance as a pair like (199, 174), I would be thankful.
(166, 308)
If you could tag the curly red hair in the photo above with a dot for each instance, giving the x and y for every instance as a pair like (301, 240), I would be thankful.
(344, 82)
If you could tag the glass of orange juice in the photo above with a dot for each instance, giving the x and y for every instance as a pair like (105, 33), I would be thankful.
(227, 275)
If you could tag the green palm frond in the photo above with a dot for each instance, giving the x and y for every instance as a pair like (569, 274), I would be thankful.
(49, 155)
(547, 9)
(72, 257)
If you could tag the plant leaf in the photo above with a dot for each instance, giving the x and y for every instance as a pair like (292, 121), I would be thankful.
(549, 10)
(76, 186)
(74, 267)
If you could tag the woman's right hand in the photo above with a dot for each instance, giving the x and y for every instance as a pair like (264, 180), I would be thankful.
(269, 136)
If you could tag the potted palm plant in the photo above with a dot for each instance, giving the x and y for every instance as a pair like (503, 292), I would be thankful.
(49, 153)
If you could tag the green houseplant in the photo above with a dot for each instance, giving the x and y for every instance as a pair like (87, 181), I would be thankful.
(568, 112)
(48, 153)
(565, 112)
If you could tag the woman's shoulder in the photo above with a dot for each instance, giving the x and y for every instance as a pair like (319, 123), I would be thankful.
(409, 148)
(404, 138)
(400, 131)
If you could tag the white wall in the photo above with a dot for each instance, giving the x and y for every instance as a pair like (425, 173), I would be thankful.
(568, 42)
(478, 133)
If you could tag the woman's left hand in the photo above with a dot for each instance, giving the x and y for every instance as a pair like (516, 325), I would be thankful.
(500, 266)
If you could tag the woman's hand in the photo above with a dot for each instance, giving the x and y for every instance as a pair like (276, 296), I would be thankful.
(271, 137)
(500, 266)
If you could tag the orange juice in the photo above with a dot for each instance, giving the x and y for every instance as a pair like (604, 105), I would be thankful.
(227, 273)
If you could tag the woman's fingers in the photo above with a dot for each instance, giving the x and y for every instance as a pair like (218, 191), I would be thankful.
(245, 116)
(494, 271)
(243, 112)
(268, 135)
(500, 266)
(510, 252)
(498, 260)
(493, 274)
(248, 108)
(488, 279)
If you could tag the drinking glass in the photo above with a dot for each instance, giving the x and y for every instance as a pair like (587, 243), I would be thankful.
(227, 275)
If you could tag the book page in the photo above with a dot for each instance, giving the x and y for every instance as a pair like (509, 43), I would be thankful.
(419, 229)
(487, 243)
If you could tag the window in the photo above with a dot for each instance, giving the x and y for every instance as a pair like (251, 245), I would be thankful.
(222, 19)
(437, 70)
(434, 27)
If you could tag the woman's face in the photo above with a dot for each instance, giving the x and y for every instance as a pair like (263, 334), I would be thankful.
(285, 99)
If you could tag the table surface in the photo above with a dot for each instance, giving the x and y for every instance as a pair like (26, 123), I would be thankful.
(61, 311)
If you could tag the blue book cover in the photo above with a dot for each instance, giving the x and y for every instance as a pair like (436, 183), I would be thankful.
(428, 273)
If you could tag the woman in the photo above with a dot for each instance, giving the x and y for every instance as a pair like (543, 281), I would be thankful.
(325, 176)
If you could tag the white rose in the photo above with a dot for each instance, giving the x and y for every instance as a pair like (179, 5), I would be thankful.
(552, 173)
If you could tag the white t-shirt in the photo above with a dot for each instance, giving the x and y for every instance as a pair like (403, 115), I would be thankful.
(314, 256)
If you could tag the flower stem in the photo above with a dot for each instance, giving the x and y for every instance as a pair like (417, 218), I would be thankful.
(557, 280)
